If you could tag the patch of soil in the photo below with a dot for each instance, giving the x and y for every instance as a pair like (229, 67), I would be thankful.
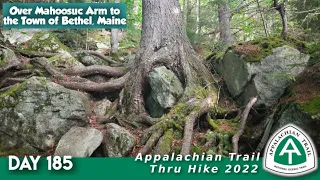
(306, 87)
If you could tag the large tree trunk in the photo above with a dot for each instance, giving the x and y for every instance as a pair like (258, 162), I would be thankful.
(224, 22)
(163, 42)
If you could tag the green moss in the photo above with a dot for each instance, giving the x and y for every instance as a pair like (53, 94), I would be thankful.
(196, 149)
(255, 50)
(199, 92)
(165, 146)
(212, 123)
(2, 58)
(312, 107)
(13, 92)
(43, 82)
(314, 51)
(15, 151)
(2, 63)
(38, 43)
(59, 60)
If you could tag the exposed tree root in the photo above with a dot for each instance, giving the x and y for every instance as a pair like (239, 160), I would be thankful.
(266, 134)
(183, 114)
(96, 69)
(78, 83)
(148, 132)
(156, 135)
(236, 137)
(10, 81)
(33, 54)
(164, 144)
(147, 120)
(101, 56)
(205, 106)
(11, 64)
(7, 88)
(46, 65)
(23, 72)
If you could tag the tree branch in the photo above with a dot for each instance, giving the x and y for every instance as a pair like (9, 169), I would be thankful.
(235, 138)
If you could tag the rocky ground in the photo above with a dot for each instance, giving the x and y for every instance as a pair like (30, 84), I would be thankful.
(43, 111)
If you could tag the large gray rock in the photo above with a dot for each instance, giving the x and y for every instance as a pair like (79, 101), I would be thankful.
(8, 59)
(47, 42)
(39, 112)
(19, 36)
(119, 141)
(268, 78)
(166, 89)
(284, 114)
(87, 59)
(79, 142)
(292, 113)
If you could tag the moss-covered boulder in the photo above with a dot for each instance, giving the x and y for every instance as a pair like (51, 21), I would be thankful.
(18, 36)
(269, 77)
(37, 113)
(166, 89)
(305, 115)
(101, 107)
(8, 59)
(119, 141)
(47, 42)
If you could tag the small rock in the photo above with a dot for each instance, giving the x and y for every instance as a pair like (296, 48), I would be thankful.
(101, 107)
(79, 142)
(119, 141)
(8, 59)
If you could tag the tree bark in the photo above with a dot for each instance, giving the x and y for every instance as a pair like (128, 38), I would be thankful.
(114, 37)
(187, 12)
(224, 22)
(198, 17)
(163, 43)
(263, 19)
(205, 106)
(281, 8)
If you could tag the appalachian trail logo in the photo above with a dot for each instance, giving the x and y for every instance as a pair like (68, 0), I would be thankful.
(290, 152)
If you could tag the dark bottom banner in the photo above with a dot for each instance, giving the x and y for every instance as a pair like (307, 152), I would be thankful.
(134, 168)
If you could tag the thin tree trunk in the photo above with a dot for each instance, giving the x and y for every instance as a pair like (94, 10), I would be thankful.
(198, 17)
(282, 10)
(187, 13)
(183, 10)
(114, 38)
(263, 20)
(236, 137)
(163, 42)
(224, 22)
